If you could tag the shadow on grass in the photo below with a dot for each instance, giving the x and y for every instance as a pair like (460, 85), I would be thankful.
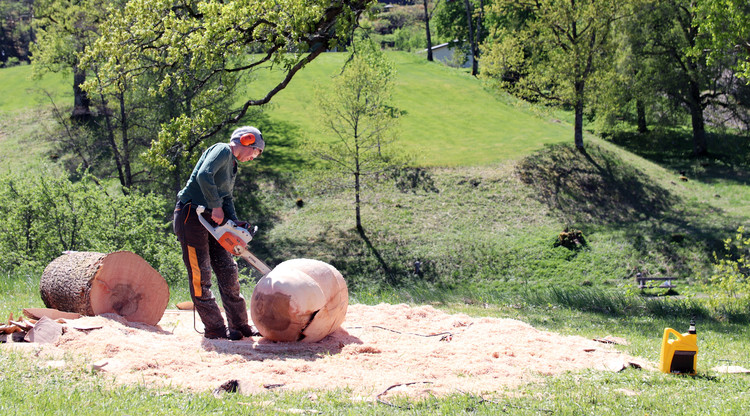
(672, 149)
(598, 190)
(617, 304)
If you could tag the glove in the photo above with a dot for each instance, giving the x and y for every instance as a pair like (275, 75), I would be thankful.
(243, 224)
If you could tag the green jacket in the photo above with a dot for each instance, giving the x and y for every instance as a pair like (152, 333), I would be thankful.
(212, 180)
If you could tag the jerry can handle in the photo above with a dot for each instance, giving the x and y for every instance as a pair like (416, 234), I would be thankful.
(667, 332)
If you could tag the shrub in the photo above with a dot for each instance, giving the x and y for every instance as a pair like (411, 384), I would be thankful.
(732, 271)
(45, 215)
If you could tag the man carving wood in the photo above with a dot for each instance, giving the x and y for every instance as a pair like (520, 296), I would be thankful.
(211, 184)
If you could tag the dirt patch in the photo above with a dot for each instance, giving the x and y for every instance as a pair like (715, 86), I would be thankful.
(377, 347)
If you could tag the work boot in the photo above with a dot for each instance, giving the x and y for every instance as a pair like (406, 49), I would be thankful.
(223, 333)
(248, 331)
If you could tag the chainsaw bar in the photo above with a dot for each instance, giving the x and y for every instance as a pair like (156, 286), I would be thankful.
(255, 262)
(234, 239)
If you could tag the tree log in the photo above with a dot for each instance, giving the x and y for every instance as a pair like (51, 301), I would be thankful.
(299, 300)
(92, 283)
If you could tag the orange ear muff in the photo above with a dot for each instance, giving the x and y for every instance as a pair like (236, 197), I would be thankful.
(247, 139)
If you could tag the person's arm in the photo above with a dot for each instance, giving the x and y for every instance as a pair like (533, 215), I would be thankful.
(216, 160)
(228, 208)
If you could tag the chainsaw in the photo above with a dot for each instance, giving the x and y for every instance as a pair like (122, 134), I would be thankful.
(234, 239)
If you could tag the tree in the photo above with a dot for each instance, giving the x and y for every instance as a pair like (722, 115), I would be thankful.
(726, 26)
(669, 36)
(463, 21)
(356, 109)
(201, 42)
(427, 17)
(552, 50)
(16, 32)
(627, 91)
(64, 30)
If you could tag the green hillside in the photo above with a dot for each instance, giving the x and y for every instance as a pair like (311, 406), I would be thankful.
(449, 120)
(19, 90)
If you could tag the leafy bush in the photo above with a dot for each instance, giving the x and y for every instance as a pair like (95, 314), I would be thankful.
(411, 38)
(45, 215)
(732, 273)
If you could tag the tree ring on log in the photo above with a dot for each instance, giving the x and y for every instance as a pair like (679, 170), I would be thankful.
(92, 283)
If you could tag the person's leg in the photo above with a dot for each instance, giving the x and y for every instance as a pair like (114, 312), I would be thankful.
(194, 239)
(227, 277)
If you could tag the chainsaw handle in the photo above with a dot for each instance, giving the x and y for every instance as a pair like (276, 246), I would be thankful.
(199, 210)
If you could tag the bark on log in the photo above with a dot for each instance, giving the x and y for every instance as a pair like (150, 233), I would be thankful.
(93, 283)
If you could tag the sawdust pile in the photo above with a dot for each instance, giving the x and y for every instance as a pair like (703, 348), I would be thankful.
(377, 347)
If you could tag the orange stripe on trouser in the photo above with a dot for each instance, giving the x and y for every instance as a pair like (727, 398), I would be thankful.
(195, 272)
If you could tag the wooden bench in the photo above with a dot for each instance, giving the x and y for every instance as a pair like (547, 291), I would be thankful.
(644, 280)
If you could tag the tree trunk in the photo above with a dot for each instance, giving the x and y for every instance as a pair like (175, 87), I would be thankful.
(81, 100)
(472, 41)
(427, 29)
(578, 127)
(700, 146)
(92, 283)
(640, 109)
(357, 210)
(125, 145)
(477, 38)
(111, 138)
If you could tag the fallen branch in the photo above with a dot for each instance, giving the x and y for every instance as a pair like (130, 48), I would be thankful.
(505, 406)
(394, 386)
(412, 333)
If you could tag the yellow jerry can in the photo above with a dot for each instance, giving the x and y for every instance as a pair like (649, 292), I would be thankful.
(679, 355)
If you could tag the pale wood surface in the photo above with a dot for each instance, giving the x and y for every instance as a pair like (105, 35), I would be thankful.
(92, 283)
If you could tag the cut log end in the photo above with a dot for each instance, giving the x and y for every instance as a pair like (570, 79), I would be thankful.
(95, 283)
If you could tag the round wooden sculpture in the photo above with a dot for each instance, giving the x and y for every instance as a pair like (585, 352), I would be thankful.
(299, 300)
(92, 283)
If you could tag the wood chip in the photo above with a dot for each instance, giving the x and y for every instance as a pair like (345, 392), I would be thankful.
(185, 306)
(731, 369)
(22, 325)
(99, 365)
(609, 339)
(46, 331)
(616, 365)
(38, 313)
(230, 386)
(87, 327)
(8, 329)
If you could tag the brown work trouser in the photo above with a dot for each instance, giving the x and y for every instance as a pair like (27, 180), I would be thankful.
(201, 253)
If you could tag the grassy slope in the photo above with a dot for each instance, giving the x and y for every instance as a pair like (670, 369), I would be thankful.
(20, 91)
(450, 120)
(24, 116)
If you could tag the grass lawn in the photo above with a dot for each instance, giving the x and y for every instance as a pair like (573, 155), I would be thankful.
(23, 144)
(20, 91)
(449, 120)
